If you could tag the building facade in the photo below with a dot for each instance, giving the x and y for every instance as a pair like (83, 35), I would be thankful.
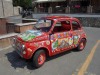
(66, 6)
(6, 8)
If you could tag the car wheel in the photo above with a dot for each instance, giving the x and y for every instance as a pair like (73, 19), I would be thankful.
(39, 58)
(81, 45)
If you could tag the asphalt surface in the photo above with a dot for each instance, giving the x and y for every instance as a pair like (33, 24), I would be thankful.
(67, 63)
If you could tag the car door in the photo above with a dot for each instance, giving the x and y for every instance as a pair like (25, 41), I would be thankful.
(76, 32)
(61, 38)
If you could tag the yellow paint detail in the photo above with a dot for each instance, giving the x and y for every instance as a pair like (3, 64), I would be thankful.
(29, 49)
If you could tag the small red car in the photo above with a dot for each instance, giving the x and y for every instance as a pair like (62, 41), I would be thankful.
(50, 36)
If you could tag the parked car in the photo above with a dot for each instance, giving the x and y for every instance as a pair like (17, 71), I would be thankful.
(51, 35)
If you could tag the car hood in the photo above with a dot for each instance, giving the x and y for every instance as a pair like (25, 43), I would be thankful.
(30, 35)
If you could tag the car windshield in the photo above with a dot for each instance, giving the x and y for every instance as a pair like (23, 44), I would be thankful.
(44, 25)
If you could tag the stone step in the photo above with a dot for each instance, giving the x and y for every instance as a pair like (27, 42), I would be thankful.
(5, 41)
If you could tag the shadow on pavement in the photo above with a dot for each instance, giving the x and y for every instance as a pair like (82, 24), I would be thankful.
(18, 62)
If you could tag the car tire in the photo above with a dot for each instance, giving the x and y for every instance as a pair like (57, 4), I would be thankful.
(81, 45)
(39, 58)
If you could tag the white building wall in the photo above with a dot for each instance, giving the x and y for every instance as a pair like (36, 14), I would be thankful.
(1, 10)
(7, 6)
(17, 10)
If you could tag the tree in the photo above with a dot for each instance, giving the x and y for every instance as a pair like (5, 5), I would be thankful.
(16, 2)
(23, 3)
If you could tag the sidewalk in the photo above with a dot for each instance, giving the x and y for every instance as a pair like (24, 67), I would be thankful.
(37, 16)
(5, 50)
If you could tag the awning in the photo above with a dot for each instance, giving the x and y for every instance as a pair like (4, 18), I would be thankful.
(40, 1)
(79, 0)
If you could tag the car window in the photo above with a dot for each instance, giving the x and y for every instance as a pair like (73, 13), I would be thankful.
(75, 25)
(44, 25)
(62, 26)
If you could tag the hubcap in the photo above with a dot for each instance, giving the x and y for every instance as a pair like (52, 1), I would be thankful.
(81, 45)
(41, 59)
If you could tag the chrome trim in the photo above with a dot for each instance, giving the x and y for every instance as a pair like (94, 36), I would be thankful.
(17, 45)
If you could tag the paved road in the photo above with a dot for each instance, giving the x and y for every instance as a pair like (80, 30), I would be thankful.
(68, 63)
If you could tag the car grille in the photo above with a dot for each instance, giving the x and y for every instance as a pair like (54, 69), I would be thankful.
(17, 46)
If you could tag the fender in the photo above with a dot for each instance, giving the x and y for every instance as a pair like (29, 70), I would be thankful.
(46, 45)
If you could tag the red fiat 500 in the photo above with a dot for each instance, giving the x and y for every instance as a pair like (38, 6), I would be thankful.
(50, 36)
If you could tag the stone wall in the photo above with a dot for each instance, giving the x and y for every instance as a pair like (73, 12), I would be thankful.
(90, 21)
(3, 26)
(14, 19)
(5, 41)
(86, 19)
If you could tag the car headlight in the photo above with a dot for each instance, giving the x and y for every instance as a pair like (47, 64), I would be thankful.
(23, 47)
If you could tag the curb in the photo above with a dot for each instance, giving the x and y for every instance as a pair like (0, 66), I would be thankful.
(6, 48)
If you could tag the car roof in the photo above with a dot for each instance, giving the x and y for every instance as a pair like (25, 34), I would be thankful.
(61, 17)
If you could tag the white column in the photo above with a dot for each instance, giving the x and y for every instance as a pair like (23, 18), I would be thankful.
(67, 9)
(50, 10)
(35, 10)
(89, 9)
